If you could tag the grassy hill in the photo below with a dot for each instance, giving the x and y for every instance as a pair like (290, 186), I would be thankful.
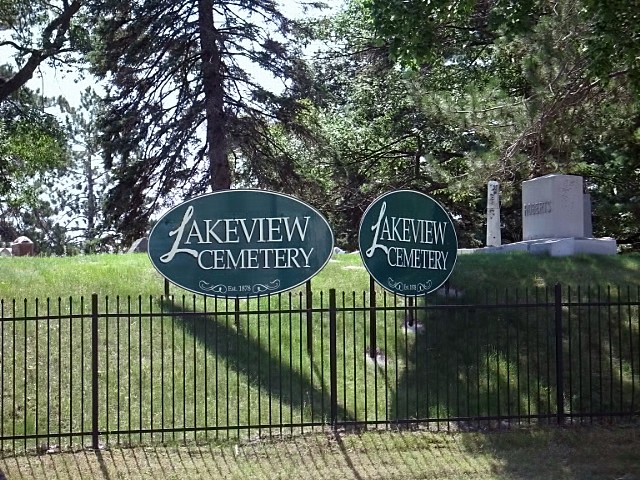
(133, 274)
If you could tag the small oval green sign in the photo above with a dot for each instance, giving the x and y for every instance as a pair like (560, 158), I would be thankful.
(240, 243)
(408, 242)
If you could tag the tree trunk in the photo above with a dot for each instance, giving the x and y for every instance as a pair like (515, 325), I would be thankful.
(219, 170)
(92, 205)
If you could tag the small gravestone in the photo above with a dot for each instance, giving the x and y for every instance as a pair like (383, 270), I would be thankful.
(139, 246)
(494, 238)
(21, 247)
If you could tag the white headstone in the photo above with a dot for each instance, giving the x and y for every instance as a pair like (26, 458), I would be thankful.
(140, 245)
(494, 238)
(553, 207)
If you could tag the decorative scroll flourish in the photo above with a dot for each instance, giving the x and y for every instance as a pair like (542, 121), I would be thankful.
(417, 287)
(207, 287)
(261, 288)
(424, 287)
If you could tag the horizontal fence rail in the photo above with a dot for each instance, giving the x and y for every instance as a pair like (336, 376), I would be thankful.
(176, 369)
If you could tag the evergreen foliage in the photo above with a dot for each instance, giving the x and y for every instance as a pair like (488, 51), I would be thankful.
(439, 96)
(32, 143)
(187, 100)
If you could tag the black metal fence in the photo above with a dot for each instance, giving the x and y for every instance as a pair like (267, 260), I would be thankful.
(134, 370)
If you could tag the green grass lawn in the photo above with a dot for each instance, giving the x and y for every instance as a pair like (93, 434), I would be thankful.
(202, 362)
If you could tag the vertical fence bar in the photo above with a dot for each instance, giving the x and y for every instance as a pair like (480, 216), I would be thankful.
(610, 344)
(300, 364)
(118, 376)
(309, 307)
(13, 376)
(364, 365)
(165, 303)
(355, 366)
(580, 355)
(106, 361)
(71, 396)
(129, 429)
(94, 371)
(610, 341)
(620, 357)
(498, 374)
(236, 319)
(333, 351)
(410, 312)
(590, 357)
(259, 368)
(151, 352)
(344, 351)
(632, 364)
(48, 372)
(37, 335)
(570, 353)
(140, 366)
(518, 325)
(226, 366)
(205, 354)
(560, 415)
(59, 371)
(291, 367)
(25, 368)
(2, 364)
(280, 389)
(269, 362)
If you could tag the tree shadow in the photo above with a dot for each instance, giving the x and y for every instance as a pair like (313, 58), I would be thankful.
(498, 361)
(284, 383)
(492, 366)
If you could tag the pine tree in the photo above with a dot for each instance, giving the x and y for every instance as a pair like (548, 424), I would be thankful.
(181, 103)
(82, 186)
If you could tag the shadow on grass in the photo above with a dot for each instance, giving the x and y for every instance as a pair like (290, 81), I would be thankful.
(482, 368)
(281, 381)
(495, 364)
(464, 369)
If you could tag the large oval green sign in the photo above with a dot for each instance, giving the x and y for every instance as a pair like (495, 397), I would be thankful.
(240, 243)
(408, 242)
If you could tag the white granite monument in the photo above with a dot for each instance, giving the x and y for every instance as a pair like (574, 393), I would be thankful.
(552, 207)
(556, 220)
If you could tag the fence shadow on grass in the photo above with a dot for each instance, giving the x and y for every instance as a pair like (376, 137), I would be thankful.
(284, 383)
